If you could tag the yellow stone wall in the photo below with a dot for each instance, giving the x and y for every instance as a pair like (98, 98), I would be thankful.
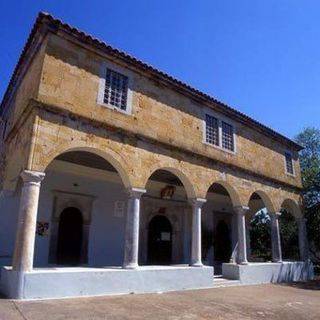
(70, 80)
(164, 131)
(136, 160)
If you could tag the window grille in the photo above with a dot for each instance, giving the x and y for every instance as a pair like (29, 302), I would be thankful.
(227, 136)
(116, 89)
(212, 130)
(289, 163)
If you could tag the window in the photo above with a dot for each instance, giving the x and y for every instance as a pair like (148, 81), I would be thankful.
(212, 130)
(289, 163)
(219, 133)
(227, 136)
(116, 89)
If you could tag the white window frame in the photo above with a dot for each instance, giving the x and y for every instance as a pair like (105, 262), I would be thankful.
(102, 84)
(220, 119)
(285, 164)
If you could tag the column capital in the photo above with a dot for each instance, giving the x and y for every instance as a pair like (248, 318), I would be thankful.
(197, 202)
(241, 209)
(34, 177)
(136, 192)
(276, 214)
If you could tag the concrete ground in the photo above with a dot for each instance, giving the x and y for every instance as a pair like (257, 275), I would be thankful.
(294, 301)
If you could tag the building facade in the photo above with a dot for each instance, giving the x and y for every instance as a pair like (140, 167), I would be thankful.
(113, 170)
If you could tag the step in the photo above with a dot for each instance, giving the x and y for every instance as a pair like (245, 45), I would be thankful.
(220, 282)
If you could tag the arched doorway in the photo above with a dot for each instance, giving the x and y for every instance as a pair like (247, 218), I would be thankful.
(222, 242)
(159, 241)
(70, 237)
(77, 178)
(219, 225)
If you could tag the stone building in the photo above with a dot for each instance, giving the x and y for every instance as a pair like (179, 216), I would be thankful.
(111, 169)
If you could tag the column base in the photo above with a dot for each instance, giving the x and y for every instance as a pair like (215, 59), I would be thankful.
(243, 263)
(130, 266)
(196, 264)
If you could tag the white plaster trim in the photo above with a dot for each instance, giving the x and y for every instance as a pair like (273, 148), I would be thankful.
(102, 83)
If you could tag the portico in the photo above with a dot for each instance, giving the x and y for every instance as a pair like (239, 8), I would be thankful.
(138, 201)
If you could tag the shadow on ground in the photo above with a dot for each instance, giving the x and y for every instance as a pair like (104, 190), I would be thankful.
(310, 285)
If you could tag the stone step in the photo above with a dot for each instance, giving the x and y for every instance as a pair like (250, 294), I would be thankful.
(220, 282)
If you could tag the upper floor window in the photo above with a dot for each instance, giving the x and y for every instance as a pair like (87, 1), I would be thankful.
(212, 130)
(116, 89)
(219, 133)
(289, 163)
(227, 136)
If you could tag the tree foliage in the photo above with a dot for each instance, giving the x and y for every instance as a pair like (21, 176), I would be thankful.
(310, 170)
(289, 236)
(260, 236)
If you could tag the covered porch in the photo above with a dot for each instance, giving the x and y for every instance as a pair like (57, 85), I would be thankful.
(83, 229)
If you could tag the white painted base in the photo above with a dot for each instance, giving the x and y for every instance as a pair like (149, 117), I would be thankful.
(256, 273)
(75, 282)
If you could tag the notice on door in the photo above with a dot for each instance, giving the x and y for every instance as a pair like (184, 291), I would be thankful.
(165, 236)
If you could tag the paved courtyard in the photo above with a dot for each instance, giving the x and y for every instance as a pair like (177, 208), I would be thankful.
(295, 301)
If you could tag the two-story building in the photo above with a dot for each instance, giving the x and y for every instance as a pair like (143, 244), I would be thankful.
(113, 172)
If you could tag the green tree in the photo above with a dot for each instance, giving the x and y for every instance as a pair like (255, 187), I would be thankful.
(310, 170)
(260, 236)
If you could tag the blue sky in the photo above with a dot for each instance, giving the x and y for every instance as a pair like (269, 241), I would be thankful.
(260, 57)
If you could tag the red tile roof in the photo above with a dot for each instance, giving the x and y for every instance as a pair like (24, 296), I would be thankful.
(55, 25)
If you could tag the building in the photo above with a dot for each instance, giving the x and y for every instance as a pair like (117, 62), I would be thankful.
(111, 169)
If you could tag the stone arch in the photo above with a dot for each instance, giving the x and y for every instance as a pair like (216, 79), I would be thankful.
(189, 188)
(234, 195)
(109, 155)
(265, 199)
(293, 207)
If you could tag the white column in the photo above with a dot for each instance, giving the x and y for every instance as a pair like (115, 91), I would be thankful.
(26, 229)
(248, 239)
(196, 232)
(132, 229)
(275, 237)
(242, 243)
(234, 228)
(303, 239)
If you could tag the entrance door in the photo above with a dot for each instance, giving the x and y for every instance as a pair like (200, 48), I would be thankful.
(159, 241)
(70, 237)
(222, 243)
